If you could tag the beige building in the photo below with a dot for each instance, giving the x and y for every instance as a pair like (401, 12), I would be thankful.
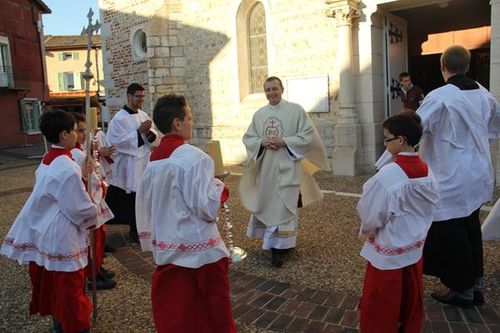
(65, 57)
(340, 59)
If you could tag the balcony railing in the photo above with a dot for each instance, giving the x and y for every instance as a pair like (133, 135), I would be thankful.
(6, 79)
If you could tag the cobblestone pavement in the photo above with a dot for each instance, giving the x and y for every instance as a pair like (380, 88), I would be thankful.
(271, 305)
(317, 290)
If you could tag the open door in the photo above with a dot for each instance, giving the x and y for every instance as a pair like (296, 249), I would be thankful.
(396, 60)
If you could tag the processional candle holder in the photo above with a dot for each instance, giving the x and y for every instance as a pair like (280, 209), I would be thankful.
(236, 253)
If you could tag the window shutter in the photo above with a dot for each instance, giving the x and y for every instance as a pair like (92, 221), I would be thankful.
(77, 81)
(59, 56)
(76, 55)
(60, 79)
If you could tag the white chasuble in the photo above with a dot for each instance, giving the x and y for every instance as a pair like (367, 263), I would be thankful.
(270, 187)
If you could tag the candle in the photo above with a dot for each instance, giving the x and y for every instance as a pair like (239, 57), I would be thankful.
(215, 153)
(92, 119)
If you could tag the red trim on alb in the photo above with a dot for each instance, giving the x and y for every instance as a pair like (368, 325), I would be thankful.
(394, 251)
(183, 247)
(50, 256)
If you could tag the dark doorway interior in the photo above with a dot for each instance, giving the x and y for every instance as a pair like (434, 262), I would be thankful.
(424, 21)
(426, 73)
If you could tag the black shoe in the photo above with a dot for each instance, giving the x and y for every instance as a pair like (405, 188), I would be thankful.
(276, 259)
(108, 248)
(101, 283)
(452, 298)
(478, 298)
(107, 274)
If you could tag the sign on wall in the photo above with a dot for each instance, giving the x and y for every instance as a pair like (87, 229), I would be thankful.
(310, 92)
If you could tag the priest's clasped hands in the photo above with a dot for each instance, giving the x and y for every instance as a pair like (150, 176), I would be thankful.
(273, 143)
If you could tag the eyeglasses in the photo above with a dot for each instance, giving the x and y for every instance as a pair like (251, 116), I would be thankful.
(386, 140)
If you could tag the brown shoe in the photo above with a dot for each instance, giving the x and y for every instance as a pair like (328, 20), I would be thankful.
(276, 258)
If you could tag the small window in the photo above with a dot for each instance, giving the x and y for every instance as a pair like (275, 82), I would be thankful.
(67, 56)
(139, 44)
(68, 81)
(31, 110)
(6, 79)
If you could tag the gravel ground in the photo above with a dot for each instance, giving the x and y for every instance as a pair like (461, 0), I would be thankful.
(326, 257)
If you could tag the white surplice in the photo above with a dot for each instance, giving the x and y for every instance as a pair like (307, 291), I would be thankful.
(130, 160)
(491, 225)
(455, 144)
(177, 203)
(105, 168)
(396, 212)
(51, 229)
(104, 214)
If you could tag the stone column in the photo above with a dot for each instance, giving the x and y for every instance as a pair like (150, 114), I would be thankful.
(495, 71)
(347, 152)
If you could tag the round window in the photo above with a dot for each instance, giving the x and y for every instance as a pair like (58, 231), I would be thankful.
(139, 45)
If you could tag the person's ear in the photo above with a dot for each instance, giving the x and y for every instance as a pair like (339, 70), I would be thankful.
(176, 124)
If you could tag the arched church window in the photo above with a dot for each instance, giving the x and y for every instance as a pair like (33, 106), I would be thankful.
(257, 47)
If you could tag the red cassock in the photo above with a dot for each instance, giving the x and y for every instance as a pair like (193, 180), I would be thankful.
(61, 295)
(192, 300)
(99, 241)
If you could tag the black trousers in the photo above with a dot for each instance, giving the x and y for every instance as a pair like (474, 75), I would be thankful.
(453, 251)
(122, 204)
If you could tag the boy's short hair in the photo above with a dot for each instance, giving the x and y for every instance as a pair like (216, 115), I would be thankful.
(79, 117)
(54, 122)
(133, 87)
(456, 59)
(407, 124)
(166, 109)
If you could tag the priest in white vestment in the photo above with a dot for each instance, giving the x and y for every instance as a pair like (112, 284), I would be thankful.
(285, 150)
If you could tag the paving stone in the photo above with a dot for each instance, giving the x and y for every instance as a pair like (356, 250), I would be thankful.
(331, 328)
(275, 303)
(440, 326)
(472, 315)
(297, 325)
(281, 323)
(240, 310)
(314, 327)
(459, 328)
(479, 328)
(350, 302)
(306, 294)
(489, 315)
(434, 312)
(292, 291)
(426, 327)
(304, 310)
(351, 318)
(265, 319)
(279, 288)
(350, 330)
(262, 300)
(452, 313)
(289, 306)
(494, 328)
(335, 315)
(255, 282)
(236, 291)
(320, 297)
(266, 285)
(249, 296)
(319, 312)
(251, 315)
(335, 299)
